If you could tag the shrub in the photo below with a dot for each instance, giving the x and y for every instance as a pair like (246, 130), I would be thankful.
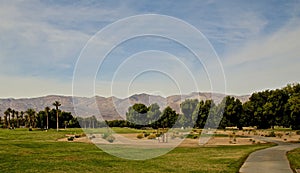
(280, 135)
(250, 140)
(111, 138)
(271, 134)
(152, 136)
(71, 138)
(253, 141)
(298, 132)
(140, 136)
(234, 139)
(77, 136)
(92, 137)
(30, 129)
(105, 135)
(146, 134)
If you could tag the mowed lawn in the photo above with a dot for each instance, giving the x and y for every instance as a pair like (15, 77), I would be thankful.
(38, 151)
(294, 158)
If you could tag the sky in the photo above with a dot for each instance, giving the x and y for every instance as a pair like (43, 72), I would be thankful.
(245, 46)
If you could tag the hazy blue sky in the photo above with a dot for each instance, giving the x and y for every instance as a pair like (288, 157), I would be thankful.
(40, 41)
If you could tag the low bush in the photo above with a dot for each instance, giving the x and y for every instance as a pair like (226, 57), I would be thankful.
(152, 136)
(71, 138)
(140, 136)
(77, 136)
(271, 134)
(279, 135)
(111, 138)
(105, 135)
(298, 132)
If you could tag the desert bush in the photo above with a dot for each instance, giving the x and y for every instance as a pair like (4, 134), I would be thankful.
(250, 140)
(234, 140)
(140, 136)
(77, 136)
(271, 134)
(298, 132)
(152, 136)
(146, 134)
(106, 134)
(111, 138)
(71, 138)
(279, 135)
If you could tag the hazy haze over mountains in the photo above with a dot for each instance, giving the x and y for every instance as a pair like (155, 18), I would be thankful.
(108, 107)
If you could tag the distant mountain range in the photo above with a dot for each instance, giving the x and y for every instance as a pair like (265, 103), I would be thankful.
(108, 107)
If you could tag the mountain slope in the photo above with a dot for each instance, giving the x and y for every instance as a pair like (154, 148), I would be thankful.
(109, 108)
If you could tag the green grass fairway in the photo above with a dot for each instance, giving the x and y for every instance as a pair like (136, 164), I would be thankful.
(293, 157)
(38, 151)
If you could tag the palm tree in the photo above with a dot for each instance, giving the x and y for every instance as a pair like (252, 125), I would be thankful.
(26, 120)
(22, 116)
(7, 113)
(13, 118)
(31, 116)
(56, 104)
(47, 109)
(5, 121)
(18, 119)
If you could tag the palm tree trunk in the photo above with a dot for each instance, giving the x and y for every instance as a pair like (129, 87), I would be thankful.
(47, 122)
(56, 120)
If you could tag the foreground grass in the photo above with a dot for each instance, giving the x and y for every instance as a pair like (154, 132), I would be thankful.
(293, 157)
(38, 151)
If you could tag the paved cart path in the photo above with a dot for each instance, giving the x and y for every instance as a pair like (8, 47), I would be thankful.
(269, 160)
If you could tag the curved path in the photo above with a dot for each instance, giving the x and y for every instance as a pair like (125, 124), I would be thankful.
(270, 159)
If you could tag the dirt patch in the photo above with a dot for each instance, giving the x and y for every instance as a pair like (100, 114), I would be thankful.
(127, 139)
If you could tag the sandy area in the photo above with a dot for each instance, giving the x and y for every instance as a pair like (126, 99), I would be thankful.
(236, 138)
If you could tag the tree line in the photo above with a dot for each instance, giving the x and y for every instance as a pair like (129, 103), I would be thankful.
(45, 119)
(265, 109)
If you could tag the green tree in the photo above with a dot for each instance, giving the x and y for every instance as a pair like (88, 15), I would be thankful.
(7, 114)
(201, 112)
(57, 104)
(153, 113)
(31, 117)
(137, 114)
(188, 107)
(168, 118)
(294, 107)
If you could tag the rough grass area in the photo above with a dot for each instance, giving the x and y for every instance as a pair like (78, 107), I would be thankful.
(38, 151)
(294, 158)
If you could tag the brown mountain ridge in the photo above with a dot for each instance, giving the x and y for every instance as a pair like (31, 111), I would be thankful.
(108, 108)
